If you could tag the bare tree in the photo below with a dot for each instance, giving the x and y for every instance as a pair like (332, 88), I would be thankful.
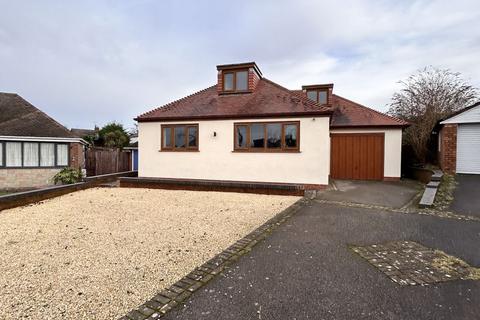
(426, 97)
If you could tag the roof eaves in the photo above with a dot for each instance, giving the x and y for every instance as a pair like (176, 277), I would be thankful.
(239, 116)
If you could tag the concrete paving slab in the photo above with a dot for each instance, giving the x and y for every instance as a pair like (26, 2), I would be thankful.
(387, 194)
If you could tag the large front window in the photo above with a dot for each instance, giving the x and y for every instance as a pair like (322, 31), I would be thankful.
(22, 154)
(180, 137)
(267, 136)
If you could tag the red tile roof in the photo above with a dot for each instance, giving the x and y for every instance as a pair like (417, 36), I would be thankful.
(347, 113)
(267, 100)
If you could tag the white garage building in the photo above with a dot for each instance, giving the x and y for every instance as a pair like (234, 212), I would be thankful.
(460, 142)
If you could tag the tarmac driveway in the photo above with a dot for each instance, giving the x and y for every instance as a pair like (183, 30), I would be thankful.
(304, 270)
(467, 195)
(386, 194)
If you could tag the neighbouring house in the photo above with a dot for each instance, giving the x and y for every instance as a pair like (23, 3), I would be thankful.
(459, 141)
(81, 133)
(33, 146)
(248, 128)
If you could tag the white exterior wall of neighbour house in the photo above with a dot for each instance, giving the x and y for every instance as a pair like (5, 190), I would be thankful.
(216, 160)
(392, 148)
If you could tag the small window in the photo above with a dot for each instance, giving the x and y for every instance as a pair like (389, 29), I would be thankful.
(291, 131)
(241, 137)
(192, 137)
(30, 154)
(267, 137)
(62, 155)
(235, 80)
(167, 137)
(1, 154)
(274, 135)
(312, 95)
(228, 82)
(241, 80)
(257, 135)
(322, 97)
(179, 137)
(13, 154)
(319, 96)
(47, 155)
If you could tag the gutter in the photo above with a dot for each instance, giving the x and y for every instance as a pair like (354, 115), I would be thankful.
(43, 139)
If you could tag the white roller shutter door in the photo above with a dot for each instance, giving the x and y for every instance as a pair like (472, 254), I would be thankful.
(468, 148)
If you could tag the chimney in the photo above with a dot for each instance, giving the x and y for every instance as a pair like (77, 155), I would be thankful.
(320, 93)
(238, 78)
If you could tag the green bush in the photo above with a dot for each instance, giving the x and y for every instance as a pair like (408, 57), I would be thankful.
(68, 176)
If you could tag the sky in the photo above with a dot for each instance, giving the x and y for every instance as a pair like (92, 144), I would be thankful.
(88, 63)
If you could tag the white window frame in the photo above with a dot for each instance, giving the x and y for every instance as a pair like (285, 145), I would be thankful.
(3, 155)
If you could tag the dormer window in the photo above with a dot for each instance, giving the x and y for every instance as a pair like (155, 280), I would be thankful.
(238, 78)
(235, 80)
(319, 96)
(320, 93)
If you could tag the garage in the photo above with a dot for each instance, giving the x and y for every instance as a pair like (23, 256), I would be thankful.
(468, 148)
(357, 156)
(459, 141)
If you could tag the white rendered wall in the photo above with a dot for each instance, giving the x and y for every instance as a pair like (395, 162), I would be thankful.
(217, 161)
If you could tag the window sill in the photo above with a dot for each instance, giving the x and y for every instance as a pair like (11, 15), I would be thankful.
(234, 92)
(266, 151)
(161, 150)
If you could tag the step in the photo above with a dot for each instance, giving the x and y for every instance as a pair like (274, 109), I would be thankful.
(437, 175)
(428, 197)
(433, 184)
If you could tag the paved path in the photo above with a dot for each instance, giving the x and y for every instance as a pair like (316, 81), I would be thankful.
(467, 195)
(304, 270)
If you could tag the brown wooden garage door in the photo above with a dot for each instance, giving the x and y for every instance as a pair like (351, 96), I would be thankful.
(357, 156)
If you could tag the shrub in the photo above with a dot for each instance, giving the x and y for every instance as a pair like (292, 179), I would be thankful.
(68, 176)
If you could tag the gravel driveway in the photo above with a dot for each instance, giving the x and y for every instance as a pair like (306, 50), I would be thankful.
(97, 253)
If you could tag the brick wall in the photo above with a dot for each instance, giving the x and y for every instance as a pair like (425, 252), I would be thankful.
(77, 156)
(17, 179)
(448, 148)
(253, 79)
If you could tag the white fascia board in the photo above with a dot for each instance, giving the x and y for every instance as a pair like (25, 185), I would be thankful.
(469, 116)
(42, 139)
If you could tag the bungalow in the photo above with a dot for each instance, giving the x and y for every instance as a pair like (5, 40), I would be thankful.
(459, 141)
(33, 146)
(248, 128)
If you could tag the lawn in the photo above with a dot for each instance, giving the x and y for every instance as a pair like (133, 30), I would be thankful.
(97, 253)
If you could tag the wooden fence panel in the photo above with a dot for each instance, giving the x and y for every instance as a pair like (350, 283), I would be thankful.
(104, 161)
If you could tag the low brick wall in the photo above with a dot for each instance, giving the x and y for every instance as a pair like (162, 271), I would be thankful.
(218, 185)
(25, 178)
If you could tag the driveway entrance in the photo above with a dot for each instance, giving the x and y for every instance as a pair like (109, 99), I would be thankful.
(386, 194)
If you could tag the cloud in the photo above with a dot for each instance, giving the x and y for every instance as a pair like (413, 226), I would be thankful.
(91, 62)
